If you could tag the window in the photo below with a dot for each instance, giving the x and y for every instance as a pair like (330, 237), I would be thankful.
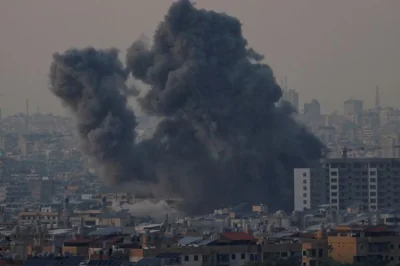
(333, 187)
(305, 188)
(372, 180)
(372, 173)
(233, 256)
(304, 201)
(304, 174)
(320, 253)
(334, 194)
(334, 201)
(196, 257)
(334, 173)
(334, 180)
(373, 194)
(304, 195)
(372, 200)
(304, 181)
(242, 256)
(186, 258)
(313, 252)
(372, 187)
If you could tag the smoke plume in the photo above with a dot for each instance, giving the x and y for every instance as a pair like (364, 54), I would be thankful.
(224, 138)
(91, 83)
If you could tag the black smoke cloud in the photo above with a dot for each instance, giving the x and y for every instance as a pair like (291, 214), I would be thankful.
(224, 138)
(91, 83)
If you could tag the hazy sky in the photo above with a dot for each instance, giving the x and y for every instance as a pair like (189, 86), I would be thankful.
(330, 50)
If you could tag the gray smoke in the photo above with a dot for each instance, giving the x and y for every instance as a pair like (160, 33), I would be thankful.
(223, 139)
(91, 83)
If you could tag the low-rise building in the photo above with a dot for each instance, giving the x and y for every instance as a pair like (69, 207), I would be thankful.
(361, 243)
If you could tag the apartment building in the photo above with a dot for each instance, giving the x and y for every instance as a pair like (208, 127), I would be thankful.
(359, 244)
(308, 192)
(42, 188)
(50, 219)
(341, 182)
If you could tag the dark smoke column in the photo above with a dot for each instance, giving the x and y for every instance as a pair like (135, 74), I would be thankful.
(91, 83)
(224, 135)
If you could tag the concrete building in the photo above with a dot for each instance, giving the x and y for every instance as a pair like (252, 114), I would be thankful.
(390, 147)
(41, 188)
(353, 107)
(308, 192)
(353, 111)
(312, 109)
(363, 243)
(14, 192)
(50, 219)
(340, 182)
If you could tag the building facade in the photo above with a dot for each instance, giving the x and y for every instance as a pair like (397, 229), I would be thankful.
(308, 192)
(353, 107)
(312, 109)
(341, 182)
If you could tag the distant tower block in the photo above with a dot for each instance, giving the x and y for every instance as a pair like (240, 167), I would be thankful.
(377, 98)
(27, 107)
(27, 116)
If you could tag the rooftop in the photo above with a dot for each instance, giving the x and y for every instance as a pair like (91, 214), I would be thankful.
(238, 236)
(369, 229)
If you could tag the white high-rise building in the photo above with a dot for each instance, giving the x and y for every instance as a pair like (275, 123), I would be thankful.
(306, 192)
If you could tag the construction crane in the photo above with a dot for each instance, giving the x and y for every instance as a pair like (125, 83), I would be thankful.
(345, 150)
